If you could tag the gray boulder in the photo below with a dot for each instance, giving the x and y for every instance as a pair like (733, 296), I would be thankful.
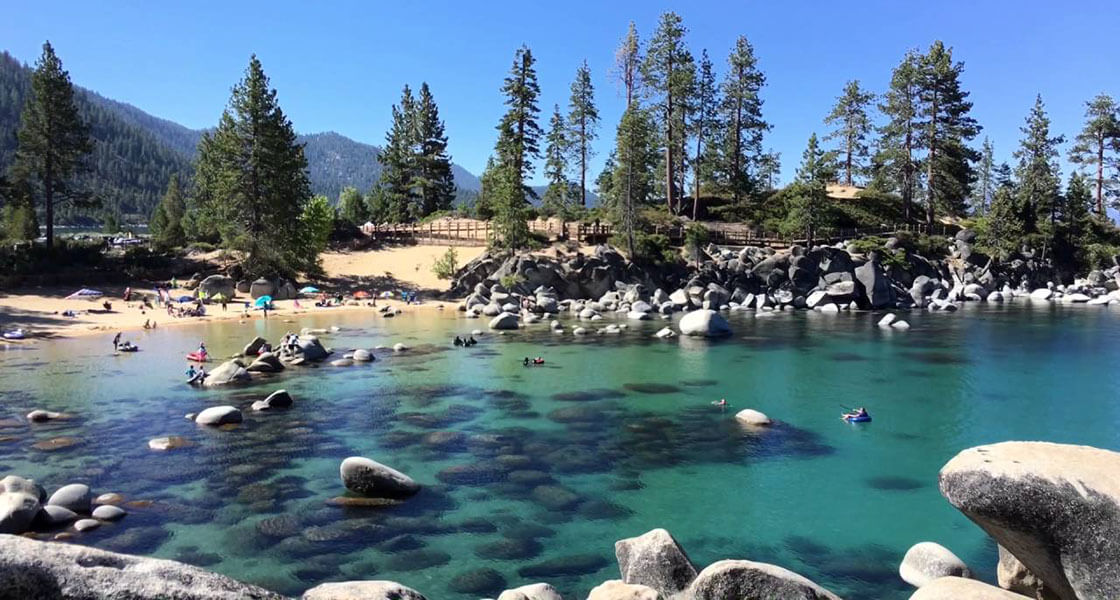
(108, 512)
(534, 591)
(1054, 507)
(254, 347)
(269, 362)
(654, 559)
(86, 524)
(876, 288)
(1013, 576)
(372, 479)
(33, 570)
(363, 355)
(746, 580)
(217, 284)
(753, 418)
(704, 323)
(19, 503)
(362, 590)
(277, 399)
(311, 349)
(218, 415)
(926, 561)
(226, 373)
(54, 516)
(504, 321)
(679, 298)
(618, 590)
(262, 287)
(959, 588)
(75, 497)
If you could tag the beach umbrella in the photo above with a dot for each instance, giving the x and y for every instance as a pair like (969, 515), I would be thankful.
(262, 301)
(309, 290)
(85, 293)
(360, 294)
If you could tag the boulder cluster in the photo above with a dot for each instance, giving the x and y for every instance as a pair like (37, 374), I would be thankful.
(25, 506)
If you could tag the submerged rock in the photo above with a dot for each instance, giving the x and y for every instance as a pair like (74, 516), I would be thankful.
(745, 579)
(372, 479)
(362, 590)
(654, 559)
(42, 416)
(75, 497)
(1055, 507)
(926, 561)
(34, 570)
(277, 399)
(170, 442)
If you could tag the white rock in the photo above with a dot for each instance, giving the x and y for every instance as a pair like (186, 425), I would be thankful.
(218, 415)
(887, 320)
(665, 333)
(926, 561)
(754, 418)
(900, 324)
(1042, 294)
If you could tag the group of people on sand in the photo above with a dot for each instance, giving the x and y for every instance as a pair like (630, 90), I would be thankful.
(470, 341)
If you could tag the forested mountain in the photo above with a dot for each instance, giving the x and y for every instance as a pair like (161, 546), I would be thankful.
(135, 153)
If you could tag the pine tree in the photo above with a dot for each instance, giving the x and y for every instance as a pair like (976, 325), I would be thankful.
(667, 73)
(517, 146)
(488, 185)
(985, 185)
(604, 183)
(1098, 145)
(352, 207)
(1075, 212)
(166, 225)
(741, 115)
(53, 140)
(251, 177)
(945, 129)
(432, 176)
(769, 168)
(1002, 226)
(397, 158)
(1039, 181)
(852, 126)
(899, 142)
(316, 222)
(808, 197)
(628, 64)
(636, 157)
(18, 221)
(583, 120)
(558, 195)
(704, 125)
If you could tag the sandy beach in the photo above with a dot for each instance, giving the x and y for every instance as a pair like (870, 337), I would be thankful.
(38, 311)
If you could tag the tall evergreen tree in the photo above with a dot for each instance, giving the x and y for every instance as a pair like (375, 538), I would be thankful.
(636, 157)
(808, 196)
(1098, 146)
(432, 177)
(583, 120)
(1072, 231)
(352, 207)
(251, 176)
(166, 224)
(897, 156)
(517, 146)
(628, 63)
(945, 129)
(53, 140)
(398, 161)
(769, 168)
(704, 124)
(558, 195)
(741, 116)
(985, 186)
(18, 221)
(1039, 180)
(1002, 226)
(667, 73)
(851, 126)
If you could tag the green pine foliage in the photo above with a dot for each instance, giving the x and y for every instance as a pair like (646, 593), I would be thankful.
(316, 223)
(446, 265)
(704, 125)
(743, 125)
(352, 208)
(896, 164)
(1097, 148)
(668, 76)
(518, 144)
(560, 193)
(1037, 175)
(166, 223)
(583, 123)
(851, 127)
(432, 174)
(809, 209)
(251, 183)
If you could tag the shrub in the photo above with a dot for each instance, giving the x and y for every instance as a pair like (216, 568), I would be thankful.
(1101, 256)
(510, 281)
(447, 265)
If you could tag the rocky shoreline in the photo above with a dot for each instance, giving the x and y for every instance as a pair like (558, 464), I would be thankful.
(1054, 510)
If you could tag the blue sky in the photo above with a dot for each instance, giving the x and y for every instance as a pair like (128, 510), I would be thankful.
(340, 65)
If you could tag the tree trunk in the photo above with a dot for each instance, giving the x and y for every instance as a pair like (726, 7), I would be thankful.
(583, 161)
(669, 134)
(696, 172)
(929, 166)
(1100, 176)
(48, 197)
(735, 163)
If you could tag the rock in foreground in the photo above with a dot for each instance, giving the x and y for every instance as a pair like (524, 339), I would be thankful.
(535, 591)
(926, 561)
(32, 570)
(704, 323)
(374, 480)
(362, 590)
(654, 559)
(1055, 507)
(959, 588)
(746, 580)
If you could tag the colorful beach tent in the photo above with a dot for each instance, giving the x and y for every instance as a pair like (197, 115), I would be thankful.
(360, 294)
(185, 299)
(262, 301)
(309, 290)
(85, 293)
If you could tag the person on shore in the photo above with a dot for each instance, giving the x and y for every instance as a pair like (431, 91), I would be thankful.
(116, 341)
(174, 283)
(224, 303)
(147, 324)
(127, 294)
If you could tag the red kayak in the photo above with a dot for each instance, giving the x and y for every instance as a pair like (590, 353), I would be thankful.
(198, 357)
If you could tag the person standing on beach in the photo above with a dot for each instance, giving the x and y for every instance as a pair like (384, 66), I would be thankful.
(116, 341)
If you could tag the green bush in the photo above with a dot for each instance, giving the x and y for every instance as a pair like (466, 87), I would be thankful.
(510, 281)
(1101, 256)
(447, 265)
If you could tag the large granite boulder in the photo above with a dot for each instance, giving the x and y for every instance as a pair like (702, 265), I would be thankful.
(959, 588)
(75, 497)
(372, 479)
(1055, 507)
(504, 320)
(254, 347)
(277, 399)
(217, 284)
(617, 590)
(311, 349)
(926, 561)
(262, 287)
(704, 323)
(362, 590)
(1013, 576)
(218, 415)
(746, 580)
(269, 362)
(32, 570)
(654, 559)
(226, 373)
(20, 501)
(534, 591)
(876, 287)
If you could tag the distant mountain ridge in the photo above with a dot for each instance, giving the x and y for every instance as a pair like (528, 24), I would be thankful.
(135, 152)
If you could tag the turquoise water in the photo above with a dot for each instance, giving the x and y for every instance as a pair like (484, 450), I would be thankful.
(535, 472)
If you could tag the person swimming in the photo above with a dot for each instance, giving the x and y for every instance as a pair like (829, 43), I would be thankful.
(526, 361)
(458, 341)
(721, 403)
(859, 413)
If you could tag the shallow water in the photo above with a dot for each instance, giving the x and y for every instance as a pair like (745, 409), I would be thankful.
(532, 473)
